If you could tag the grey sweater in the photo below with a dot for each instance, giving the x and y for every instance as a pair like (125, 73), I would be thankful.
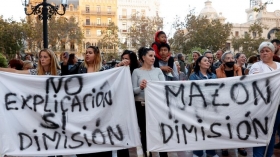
(150, 75)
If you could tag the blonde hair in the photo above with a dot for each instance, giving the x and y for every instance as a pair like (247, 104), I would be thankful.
(54, 65)
(27, 63)
(96, 61)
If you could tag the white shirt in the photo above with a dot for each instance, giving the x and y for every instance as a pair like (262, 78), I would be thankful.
(260, 67)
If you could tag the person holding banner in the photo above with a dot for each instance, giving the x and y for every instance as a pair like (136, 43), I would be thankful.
(140, 78)
(129, 58)
(91, 64)
(266, 51)
(47, 65)
(202, 72)
(228, 68)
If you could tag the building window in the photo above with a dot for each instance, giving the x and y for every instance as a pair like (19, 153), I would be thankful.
(87, 21)
(98, 21)
(124, 13)
(109, 20)
(87, 9)
(254, 34)
(88, 32)
(124, 27)
(98, 9)
(236, 33)
(109, 10)
(98, 33)
(245, 33)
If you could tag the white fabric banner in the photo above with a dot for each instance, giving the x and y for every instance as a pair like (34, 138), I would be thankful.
(60, 115)
(210, 114)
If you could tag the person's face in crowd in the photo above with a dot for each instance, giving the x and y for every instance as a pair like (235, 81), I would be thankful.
(149, 58)
(178, 66)
(45, 58)
(266, 55)
(204, 63)
(219, 54)
(277, 47)
(126, 57)
(195, 56)
(241, 60)
(89, 55)
(28, 57)
(162, 38)
(210, 57)
(164, 53)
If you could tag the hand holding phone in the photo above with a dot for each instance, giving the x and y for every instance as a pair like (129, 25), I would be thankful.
(66, 55)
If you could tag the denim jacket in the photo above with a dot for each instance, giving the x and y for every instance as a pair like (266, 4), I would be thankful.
(199, 76)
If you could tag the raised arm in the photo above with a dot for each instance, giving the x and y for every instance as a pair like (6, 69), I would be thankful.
(11, 70)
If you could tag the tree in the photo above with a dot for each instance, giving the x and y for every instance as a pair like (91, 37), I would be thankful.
(200, 32)
(249, 43)
(109, 41)
(60, 31)
(3, 61)
(262, 6)
(11, 37)
(142, 30)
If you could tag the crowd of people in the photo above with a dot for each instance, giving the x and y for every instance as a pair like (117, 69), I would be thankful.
(157, 64)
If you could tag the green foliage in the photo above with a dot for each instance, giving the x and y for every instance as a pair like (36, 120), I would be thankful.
(249, 43)
(199, 32)
(60, 31)
(3, 61)
(142, 30)
(11, 35)
(109, 42)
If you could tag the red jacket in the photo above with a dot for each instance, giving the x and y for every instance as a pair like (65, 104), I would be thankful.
(155, 45)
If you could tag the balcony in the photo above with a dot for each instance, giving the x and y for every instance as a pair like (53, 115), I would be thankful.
(106, 13)
(100, 24)
(88, 24)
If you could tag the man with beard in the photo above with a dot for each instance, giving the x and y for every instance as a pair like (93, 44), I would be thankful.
(276, 44)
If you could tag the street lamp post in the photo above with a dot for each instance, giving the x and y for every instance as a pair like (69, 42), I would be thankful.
(45, 11)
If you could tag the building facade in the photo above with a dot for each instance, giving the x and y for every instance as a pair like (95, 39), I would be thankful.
(268, 19)
(127, 9)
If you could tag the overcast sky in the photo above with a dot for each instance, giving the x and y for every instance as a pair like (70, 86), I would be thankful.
(232, 10)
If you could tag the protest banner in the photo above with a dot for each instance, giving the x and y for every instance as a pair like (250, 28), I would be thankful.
(60, 115)
(232, 112)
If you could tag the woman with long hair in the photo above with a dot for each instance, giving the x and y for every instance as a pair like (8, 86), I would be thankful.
(92, 63)
(140, 78)
(129, 58)
(202, 72)
(47, 65)
(195, 55)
